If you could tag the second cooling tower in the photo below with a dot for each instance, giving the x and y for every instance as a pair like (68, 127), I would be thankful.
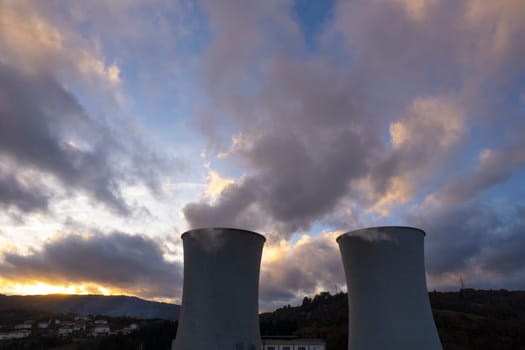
(388, 302)
(220, 293)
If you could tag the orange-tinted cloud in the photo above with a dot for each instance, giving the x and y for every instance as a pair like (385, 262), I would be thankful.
(115, 262)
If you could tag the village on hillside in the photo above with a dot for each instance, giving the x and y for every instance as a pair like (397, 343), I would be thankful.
(66, 326)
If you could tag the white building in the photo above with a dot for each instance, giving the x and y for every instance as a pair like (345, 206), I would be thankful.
(24, 326)
(291, 343)
(18, 334)
(82, 318)
(101, 330)
(288, 343)
(64, 331)
(43, 324)
(128, 330)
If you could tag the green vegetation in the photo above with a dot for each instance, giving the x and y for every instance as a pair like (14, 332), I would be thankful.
(470, 319)
(323, 316)
(114, 305)
(152, 334)
(476, 319)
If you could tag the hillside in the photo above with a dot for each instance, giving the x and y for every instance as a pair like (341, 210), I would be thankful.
(470, 319)
(113, 306)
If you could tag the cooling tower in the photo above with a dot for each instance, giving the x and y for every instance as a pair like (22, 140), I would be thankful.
(221, 288)
(388, 303)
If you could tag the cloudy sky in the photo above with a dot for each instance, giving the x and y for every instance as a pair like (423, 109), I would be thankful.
(124, 123)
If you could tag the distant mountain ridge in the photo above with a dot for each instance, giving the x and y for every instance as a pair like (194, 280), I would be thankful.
(113, 306)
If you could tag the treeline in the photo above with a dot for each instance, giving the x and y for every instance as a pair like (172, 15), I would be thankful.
(469, 319)
(478, 319)
(323, 316)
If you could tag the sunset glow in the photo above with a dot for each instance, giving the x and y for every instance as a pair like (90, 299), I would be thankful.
(42, 288)
(124, 124)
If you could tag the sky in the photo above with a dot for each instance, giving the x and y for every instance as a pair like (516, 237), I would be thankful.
(124, 123)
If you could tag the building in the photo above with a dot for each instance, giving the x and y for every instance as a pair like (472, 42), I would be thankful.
(23, 326)
(101, 330)
(289, 343)
(43, 325)
(64, 331)
(82, 318)
(292, 343)
(79, 325)
(17, 334)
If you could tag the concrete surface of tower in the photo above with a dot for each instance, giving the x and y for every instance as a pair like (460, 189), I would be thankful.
(388, 303)
(221, 289)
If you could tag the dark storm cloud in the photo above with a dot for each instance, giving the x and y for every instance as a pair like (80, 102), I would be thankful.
(37, 117)
(306, 145)
(495, 166)
(120, 260)
(475, 240)
(62, 128)
(25, 197)
(503, 252)
(234, 199)
(44, 129)
(456, 235)
(470, 232)
(310, 128)
(506, 257)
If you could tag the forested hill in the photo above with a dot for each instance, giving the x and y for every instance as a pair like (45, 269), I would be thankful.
(469, 319)
(113, 306)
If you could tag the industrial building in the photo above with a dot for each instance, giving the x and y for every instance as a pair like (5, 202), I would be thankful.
(291, 343)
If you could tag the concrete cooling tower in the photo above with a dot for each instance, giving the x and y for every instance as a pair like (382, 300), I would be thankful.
(221, 290)
(388, 303)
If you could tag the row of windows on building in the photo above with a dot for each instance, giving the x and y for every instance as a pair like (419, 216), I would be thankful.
(292, 343)
(293, 347)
